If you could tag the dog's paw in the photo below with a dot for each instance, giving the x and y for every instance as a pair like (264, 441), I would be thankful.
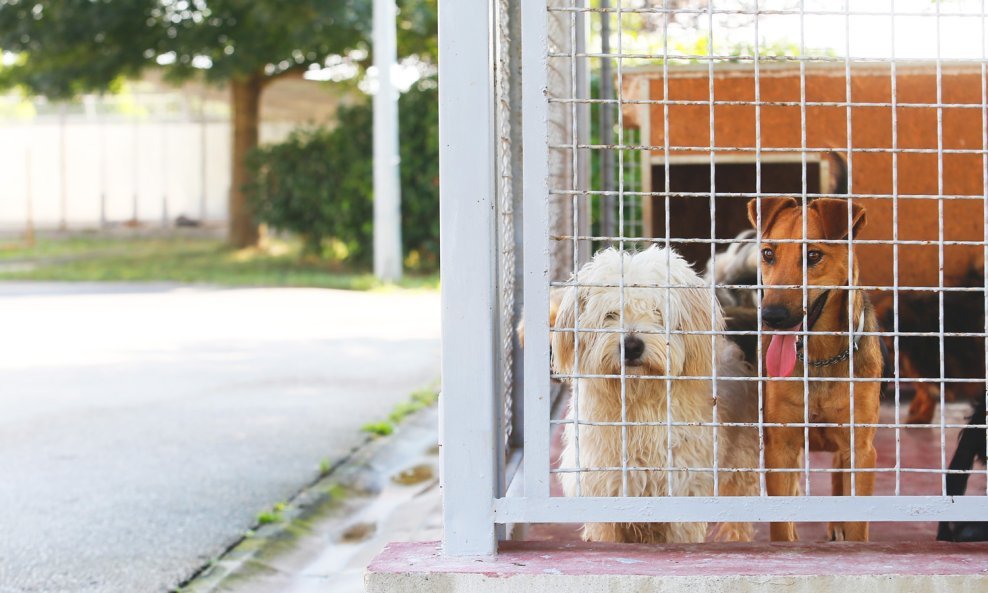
(852, 531)
(921, 409)
(783, 532)
(734, 532)
(921, 416)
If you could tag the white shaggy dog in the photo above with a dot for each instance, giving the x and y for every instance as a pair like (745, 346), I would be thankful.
(648, 311)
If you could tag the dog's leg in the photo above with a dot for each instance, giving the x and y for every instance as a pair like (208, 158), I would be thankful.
(923, 405)
(783, 445)
(661, 533)
(782, 452)
(837, 478)
(737, 484)
(865, 457)
(603, 532)
(734, 531)
(685, 533)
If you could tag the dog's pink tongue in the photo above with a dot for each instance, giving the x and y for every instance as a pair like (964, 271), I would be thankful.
(781, 356)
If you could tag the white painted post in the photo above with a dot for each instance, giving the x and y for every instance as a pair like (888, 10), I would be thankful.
(468, 420)
(535, 131)
(387, 186)
(583, 175)
(136, 168)
(164, 172)
(29, 196)
(63, 168)
(202, 157)
(99, 104)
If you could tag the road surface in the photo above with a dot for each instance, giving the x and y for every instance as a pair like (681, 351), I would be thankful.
(144, 427)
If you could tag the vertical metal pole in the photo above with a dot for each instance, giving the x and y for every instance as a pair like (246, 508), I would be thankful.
(468, 419)
(535, 134)
(517, 195)
(63, 187)
(647, 202)
(202, 158)
(387, 180)
(984, 197)
(164, 173)
(606, 125)
(135, 155)
(101, 117)
(29, 223)
(582, 212)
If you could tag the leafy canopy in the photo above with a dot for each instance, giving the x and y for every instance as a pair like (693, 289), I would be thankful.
(240, 38)
(320, 184)
(66, 47)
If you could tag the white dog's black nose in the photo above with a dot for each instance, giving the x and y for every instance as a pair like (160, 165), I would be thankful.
(633, 348)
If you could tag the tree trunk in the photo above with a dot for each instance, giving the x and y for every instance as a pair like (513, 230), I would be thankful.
(246, 101)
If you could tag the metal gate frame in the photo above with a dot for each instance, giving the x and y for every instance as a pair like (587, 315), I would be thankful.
(474, 476)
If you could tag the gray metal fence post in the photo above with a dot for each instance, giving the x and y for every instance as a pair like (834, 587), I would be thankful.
(470, 431)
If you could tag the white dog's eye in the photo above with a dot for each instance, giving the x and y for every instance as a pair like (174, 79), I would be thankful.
(612, 316)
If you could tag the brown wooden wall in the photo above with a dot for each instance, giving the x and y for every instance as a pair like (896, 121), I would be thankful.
(871, 127)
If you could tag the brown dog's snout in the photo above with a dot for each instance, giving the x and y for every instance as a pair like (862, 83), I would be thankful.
(634, 347)
(782, 308)
(778, 316)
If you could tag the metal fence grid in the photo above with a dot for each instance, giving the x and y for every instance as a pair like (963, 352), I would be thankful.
(652, 153)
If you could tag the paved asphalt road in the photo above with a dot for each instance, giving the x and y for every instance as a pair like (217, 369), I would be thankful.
(142, 428)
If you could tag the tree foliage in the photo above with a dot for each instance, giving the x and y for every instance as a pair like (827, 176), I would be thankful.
(418, 131)
(241, 38)
(313, 185)
(67, 47)
(319, 183)
(418, 23)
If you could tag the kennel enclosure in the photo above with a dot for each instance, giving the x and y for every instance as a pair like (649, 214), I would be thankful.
(521, 198)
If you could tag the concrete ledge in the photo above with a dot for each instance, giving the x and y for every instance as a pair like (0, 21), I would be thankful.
(529, 567)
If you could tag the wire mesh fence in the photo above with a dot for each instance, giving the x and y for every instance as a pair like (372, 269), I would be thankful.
(771, 307)
(796, 267)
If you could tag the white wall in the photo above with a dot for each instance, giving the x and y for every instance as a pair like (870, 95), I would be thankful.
(153, 159)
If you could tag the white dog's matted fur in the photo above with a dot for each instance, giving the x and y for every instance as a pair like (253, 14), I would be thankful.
(690, 309)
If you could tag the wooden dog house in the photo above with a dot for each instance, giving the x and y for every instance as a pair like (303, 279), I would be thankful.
(931, 144)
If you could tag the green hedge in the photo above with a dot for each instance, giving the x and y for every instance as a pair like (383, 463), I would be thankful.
(319, 182)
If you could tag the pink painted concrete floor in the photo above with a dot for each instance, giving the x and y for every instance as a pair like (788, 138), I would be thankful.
(802, 559)
(919, 449)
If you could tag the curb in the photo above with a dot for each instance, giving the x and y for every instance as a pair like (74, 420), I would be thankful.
(335, 498)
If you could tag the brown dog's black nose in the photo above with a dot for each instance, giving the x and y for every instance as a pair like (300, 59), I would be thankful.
(633, 348)
(777, 316)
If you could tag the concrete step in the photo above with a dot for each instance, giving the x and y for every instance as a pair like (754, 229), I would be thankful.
(537, 567)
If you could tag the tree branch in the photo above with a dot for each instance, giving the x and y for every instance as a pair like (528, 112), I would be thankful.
(295, 71)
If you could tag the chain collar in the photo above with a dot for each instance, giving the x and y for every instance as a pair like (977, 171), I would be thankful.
(826, 362)
(837, 358)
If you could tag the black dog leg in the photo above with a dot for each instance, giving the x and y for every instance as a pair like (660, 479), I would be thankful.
(970, 446)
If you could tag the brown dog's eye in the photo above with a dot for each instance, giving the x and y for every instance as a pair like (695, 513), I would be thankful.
(768, 255)
(813, 257)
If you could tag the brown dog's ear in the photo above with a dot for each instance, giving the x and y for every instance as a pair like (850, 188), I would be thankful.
(833, 217)
(771, 208)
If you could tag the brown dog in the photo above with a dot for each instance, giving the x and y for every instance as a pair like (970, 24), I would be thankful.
(827, 355)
